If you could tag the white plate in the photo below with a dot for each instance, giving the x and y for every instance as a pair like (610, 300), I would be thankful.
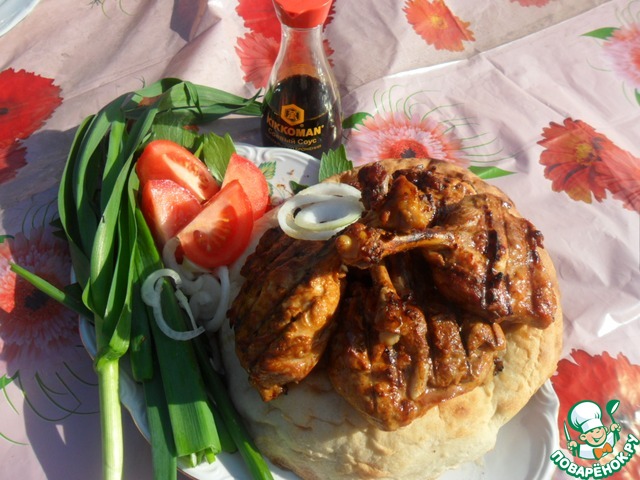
(523, 446)
(13, 11)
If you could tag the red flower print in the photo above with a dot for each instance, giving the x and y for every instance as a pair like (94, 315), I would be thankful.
(257, 54)
(437, 25)
(260, 17)
(26, 101)
(585, 164)
(396, 135)
(532, 3)
(601, 378)
(572, 159)
(12, 159)
(33, 327)
(623, 47)
(622, 178)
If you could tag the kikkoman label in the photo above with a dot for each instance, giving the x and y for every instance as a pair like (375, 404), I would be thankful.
(291, 128)
(593, 441)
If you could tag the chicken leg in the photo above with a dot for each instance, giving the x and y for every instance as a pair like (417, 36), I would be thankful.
(363, 246)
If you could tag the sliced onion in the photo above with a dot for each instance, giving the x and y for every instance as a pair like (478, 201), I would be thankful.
(210, 304)
(209, 292)
(184, 303)
(320, 211)
(189, 281)
(202, 304)
(330, 214)
(151, 287)
(214, 324)
(151, 295)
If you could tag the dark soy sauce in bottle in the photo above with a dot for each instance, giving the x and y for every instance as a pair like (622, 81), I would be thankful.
(301, 108)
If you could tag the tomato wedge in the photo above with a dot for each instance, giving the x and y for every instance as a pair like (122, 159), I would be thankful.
(221, 231)
(166, 160)
(252, 180)
(167, 207)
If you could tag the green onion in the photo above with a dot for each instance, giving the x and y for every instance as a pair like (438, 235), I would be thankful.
(189, 410)
(163, 452)
(65, 297)
(253, 459)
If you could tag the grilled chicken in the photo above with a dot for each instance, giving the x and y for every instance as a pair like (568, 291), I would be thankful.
(363, 246)
(397, 351)
(493, 268)
(431, 186)
(484, 259)
(409, 303)
(283, 318)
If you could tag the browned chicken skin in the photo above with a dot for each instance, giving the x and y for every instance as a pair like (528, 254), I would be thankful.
(409, 302)
(484, 259)
(396, 353)
(285, 316)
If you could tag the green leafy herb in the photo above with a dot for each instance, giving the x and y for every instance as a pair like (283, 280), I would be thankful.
(333, 163)
(175, 132)
(216, 152)
(4, 381)
(296, 187)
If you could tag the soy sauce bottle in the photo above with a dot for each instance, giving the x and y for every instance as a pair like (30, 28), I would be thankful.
(301, 108)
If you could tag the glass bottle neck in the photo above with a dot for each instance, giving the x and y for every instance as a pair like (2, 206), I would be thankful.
(302, 52)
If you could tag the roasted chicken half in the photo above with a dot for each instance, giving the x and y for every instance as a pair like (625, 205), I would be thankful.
(284, 317)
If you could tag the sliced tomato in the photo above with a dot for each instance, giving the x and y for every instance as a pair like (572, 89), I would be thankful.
(252, 180)
(166, 160)
(167, 207)
(221, 231)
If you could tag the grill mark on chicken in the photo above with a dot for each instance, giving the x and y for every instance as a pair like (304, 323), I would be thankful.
(442, 190)
(278, 263)
(373, 374)
(513, 287)
(497, 279)
(536, 296)
(272, 250)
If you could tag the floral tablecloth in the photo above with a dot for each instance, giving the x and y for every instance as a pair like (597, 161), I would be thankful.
(541, 97)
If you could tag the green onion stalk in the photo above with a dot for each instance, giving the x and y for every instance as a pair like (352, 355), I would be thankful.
(112, 251)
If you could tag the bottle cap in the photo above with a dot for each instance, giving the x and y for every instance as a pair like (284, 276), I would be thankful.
(302, 13)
